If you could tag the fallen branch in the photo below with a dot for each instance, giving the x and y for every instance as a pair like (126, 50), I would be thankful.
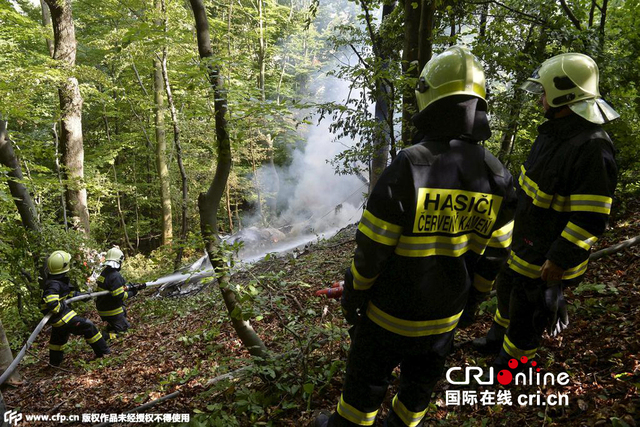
(615, 248)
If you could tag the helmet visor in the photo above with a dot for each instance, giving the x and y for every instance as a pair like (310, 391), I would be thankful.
(595, 110)
(532, 87)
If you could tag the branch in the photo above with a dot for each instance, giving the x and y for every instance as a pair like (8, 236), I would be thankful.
(367, 16)
(570, 15)
(533, 18)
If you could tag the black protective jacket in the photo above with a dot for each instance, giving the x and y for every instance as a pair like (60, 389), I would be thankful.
(57, 289)
(565, 191)
(437, 224)
(113, 304)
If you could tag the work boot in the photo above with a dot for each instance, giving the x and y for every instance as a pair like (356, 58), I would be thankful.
(485, 346)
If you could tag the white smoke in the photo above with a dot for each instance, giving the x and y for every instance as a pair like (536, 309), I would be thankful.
(316, 200)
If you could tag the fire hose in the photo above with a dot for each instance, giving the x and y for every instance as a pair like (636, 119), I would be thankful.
(12, 367)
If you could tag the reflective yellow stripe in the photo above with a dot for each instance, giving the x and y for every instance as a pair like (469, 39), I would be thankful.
(94, 338)
(411, 328)
(572, 203)
(514, 351)
(423, 246)
(52, 297)
(482, 284)
(583, 203)
(579, 236)
(118, 291)
(350, 413)
(533, 271)
(360, 282)
(55, 347)
(113, 312)
(576, 271)
(500, 320)
(411, 419)
(112, 335)
(539, 197)
(521, 266)
(502, 237)
(378, 230)
(65, 319)
(125, 296)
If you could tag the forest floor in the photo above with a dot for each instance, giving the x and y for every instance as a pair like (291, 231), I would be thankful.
(181, 344)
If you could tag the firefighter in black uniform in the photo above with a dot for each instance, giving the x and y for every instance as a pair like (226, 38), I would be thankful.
(565, 190)
(431, 241)
(111, 307)
(65, 321)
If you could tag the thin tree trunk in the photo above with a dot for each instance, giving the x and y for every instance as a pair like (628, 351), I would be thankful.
(115, 181)
(6, 357)
(63, 199)
(410, 63)
(176, 140)
(261, 52)
(19, 192)
(209, 202)
(46, 22)
(483, 19)
(71, 112)
(256, 181)
(229, 214)
(383, 110)
(161, 148)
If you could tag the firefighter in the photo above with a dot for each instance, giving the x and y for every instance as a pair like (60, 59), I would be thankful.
(436, 229)
(65, 321)
(565, 191)
(111, 307)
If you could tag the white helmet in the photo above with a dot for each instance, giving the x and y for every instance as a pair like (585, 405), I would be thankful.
(114, 258)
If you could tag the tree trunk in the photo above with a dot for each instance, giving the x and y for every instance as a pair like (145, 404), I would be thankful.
(46, 22)
(70, 112)
(183, 173)
(418, 34)
(209, 202)
(161, 148)
(261, 52)
(19, 192)
(384, 116)
(6, 357)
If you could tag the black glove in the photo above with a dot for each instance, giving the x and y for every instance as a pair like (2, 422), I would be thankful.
(136, 286)
(551, 311)
(352, 302)
(562, 321)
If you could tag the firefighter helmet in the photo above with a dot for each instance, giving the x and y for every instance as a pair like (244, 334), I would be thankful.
(114, 257)
(456, 71)
(59, 262)
(572, 79)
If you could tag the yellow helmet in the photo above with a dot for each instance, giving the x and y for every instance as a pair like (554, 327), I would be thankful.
(59, 262)
(456, 71)
(572, 79)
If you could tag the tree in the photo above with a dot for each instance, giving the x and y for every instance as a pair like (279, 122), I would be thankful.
(209, 202)
(161, 144)
(70, 111)
(20, 194)
(6, 357)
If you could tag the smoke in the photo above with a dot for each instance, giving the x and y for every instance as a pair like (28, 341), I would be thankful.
(312, 198)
